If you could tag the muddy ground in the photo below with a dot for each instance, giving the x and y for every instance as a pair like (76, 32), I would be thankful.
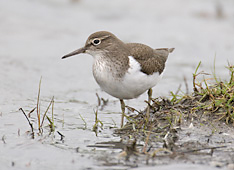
(172, 137)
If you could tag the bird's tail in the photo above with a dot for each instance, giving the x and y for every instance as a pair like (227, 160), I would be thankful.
(164, 52)
(171, 50)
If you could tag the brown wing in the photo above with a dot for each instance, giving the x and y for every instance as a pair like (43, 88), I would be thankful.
(151, 60)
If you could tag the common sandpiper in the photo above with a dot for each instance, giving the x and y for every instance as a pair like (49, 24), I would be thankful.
(124, 70)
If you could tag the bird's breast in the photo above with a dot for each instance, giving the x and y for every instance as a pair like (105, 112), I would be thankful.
(105, 72)
(130, 85)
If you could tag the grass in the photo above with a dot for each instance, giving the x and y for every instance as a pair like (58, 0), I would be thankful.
(85, 123)
(217, 98)
(40, 117)
(98, 123)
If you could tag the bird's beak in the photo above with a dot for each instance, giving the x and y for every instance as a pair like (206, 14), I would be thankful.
(81, 50)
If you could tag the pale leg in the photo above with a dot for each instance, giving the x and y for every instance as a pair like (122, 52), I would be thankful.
(123, 111)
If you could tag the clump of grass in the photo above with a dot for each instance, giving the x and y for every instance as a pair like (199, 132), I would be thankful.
(41, 117)
(217, 98)
(98, 123)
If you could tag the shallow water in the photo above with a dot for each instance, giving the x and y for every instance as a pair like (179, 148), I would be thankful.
(36, 34)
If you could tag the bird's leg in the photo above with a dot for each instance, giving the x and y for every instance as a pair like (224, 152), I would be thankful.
(150, 91)
(123, 111)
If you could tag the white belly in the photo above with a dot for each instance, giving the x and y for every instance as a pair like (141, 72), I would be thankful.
(131, 85)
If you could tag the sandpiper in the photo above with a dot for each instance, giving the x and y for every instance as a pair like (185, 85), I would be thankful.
(124, 70)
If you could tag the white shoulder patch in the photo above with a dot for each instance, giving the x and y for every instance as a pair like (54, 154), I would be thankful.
(134, 65)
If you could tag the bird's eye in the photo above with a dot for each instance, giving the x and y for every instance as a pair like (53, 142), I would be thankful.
(96, 41)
